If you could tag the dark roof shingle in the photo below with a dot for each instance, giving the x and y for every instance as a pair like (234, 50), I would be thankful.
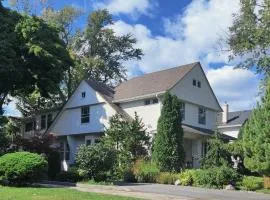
(234, 118)
(151, 83)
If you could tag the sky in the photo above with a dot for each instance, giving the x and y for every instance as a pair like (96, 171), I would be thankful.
(177, 32)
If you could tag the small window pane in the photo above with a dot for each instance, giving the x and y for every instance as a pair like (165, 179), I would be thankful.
(97, 141)
(43, 121)
(194, 82)
(147, 102)
(155, 100)
(83, 94)
(85, 114)
(202, 116)
(199, 84)
(29, 126)
(182, 110)
(88, 142)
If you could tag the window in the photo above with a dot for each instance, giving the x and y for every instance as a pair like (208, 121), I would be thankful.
(155, 101)
(64, 151)
(199, 84)
(43, 121)
(147, 102)
(85, 114)
(88, 142)
(194, 82)
(182, 110)
(202, 115)
(97, 141)
(49, 120)
(83, 94)
(29, 126)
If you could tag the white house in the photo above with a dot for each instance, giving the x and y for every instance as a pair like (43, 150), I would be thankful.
(230, 123)
(83, 119)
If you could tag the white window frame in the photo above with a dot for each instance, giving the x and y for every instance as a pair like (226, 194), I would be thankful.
(86, 115)
(200, 117)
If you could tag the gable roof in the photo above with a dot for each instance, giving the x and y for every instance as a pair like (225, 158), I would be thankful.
(234, 118)
(152, 83)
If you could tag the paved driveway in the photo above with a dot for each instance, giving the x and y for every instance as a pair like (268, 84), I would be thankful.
(194, 193)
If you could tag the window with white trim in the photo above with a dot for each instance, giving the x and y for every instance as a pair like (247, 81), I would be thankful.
(85, 115)
(201, 115)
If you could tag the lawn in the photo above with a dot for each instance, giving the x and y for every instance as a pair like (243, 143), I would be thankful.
(10, 193)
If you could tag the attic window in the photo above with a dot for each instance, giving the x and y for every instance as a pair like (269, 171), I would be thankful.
(151, 101)
(83, 94)
(194, 82)
(147, 102)
(199, 84)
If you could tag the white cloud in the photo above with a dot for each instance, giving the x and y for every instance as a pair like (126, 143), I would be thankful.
(238, 87)
(130, 7)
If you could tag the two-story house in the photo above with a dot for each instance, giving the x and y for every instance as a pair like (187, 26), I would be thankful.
(84, 117)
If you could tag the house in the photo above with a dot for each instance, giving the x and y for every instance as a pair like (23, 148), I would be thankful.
(85, 116)
(230, 123)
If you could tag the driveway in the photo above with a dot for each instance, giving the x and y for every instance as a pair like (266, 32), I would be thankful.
(162, 192)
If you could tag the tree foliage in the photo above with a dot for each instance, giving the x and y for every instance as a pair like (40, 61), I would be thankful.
(256, 137)
(249, 35)
(168, 151)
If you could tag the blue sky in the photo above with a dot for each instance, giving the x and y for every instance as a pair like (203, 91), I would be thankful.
(176, 32)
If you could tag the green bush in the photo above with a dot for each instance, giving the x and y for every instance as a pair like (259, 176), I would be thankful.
(54, 165)
(22, 167)
(129, 176)
(72, 175)
(215, 177)
(252, 183)
(167, 178)
(145, 171)
(96, 161)
(187, 177)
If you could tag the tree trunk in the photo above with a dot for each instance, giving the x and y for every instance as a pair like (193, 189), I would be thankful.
(266, 182)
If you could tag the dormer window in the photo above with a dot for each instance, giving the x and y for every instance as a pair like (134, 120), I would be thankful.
(150, 101)
(147, 102)
(83, 94)
(194, 82)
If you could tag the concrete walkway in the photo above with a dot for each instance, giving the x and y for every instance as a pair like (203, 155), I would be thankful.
(166, 192)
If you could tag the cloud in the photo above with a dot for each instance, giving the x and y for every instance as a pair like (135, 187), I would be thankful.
(134, 8)
(238, 87)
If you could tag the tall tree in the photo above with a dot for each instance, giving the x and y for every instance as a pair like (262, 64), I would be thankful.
(168, 150)
(256, 137)
(249, 35)
(101, 54)
(32, 56)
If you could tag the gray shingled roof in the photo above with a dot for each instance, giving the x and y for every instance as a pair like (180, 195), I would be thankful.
(151, 83)
(234, 118)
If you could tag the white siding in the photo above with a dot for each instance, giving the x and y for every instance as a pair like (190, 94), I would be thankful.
(230, 131)
(149, 113)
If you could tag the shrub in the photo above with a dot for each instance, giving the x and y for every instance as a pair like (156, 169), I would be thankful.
(145, 171)
(187, 177)
(22, 167)
(96, 161)
(167, 178)
(215, 177)
(54, 165)
(252, 183)
(72, 175)
(129, 176)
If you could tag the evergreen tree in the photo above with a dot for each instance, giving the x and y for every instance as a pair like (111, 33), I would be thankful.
(168, 151)
(256, 137)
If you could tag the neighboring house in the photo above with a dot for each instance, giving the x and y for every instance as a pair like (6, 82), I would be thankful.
(229, 123)
(85, 116)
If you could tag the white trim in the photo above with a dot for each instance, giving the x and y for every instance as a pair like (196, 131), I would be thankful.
(228, 126)
(138, 97)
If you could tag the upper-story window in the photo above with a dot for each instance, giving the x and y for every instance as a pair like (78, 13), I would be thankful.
(49, 120)
(194, 82)
(182, 110)
(150, 101)
(83, 94)
(199, 84)
(202, 115)
(43, 122)
(85, 114)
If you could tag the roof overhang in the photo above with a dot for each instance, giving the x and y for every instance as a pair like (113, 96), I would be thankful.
(156, 94)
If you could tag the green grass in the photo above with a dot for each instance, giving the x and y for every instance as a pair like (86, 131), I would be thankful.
(12, 193)
(265, 191)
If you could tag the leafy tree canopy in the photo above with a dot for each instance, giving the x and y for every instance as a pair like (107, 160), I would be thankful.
(249, 35)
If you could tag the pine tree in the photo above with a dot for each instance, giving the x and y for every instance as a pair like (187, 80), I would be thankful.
(256, 137)
(168, 151)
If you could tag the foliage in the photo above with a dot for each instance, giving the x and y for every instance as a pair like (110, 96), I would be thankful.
(187, 177)
(27, 62)
(129, 139)
(256, 137)
(217, 153)
(167, 178)
(72, 175)
(22, 167)
(54, 164)
(168, 151)
(145, 171)
(249, 35)
(101, 53)
(215, 177)
(252, 183)
(4, 140)
(97, 161)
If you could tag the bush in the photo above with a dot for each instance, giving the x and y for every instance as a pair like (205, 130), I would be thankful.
(96, 161)
(72, 175)
(54, 165)
(215, 177)
(22, 167)
(252, 183)
(129, 176)
(167, 178)
(145, 171)
(187, 177)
